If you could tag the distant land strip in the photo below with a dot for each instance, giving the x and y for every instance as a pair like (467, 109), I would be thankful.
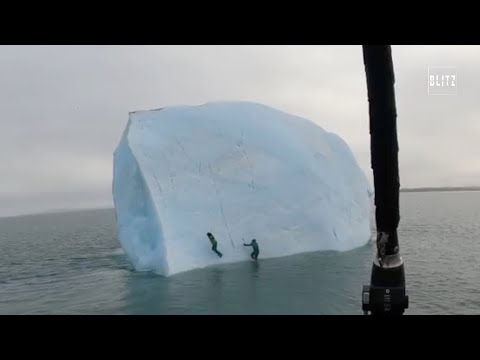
(427, 189)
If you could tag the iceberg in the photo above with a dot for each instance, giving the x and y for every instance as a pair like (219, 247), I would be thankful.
(241, 171)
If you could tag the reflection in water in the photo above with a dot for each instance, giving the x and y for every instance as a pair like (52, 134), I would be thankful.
(217, 277)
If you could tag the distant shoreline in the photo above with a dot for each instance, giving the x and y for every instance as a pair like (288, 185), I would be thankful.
(56, 212)
(441, 189)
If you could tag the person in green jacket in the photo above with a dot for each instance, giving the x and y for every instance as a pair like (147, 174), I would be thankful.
(214, 243)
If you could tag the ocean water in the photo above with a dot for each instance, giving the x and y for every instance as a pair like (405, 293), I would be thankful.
(71, 263)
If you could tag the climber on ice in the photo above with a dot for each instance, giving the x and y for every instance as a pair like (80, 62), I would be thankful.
(214, 244)
(256, 251)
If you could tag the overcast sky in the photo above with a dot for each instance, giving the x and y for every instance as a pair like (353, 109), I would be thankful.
(63, 108)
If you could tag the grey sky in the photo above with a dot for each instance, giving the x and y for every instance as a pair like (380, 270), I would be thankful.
(63, 108)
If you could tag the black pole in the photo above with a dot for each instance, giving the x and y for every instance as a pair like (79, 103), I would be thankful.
(386, 293)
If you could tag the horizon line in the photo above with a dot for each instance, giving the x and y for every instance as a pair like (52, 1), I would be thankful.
(112, 207)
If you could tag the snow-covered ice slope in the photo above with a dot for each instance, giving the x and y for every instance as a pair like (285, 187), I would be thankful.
(241, 171)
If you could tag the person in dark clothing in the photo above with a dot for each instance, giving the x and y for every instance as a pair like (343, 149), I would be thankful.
(214, 244)
(256, 251)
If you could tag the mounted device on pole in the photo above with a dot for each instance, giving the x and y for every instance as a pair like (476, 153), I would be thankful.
(386, 293)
